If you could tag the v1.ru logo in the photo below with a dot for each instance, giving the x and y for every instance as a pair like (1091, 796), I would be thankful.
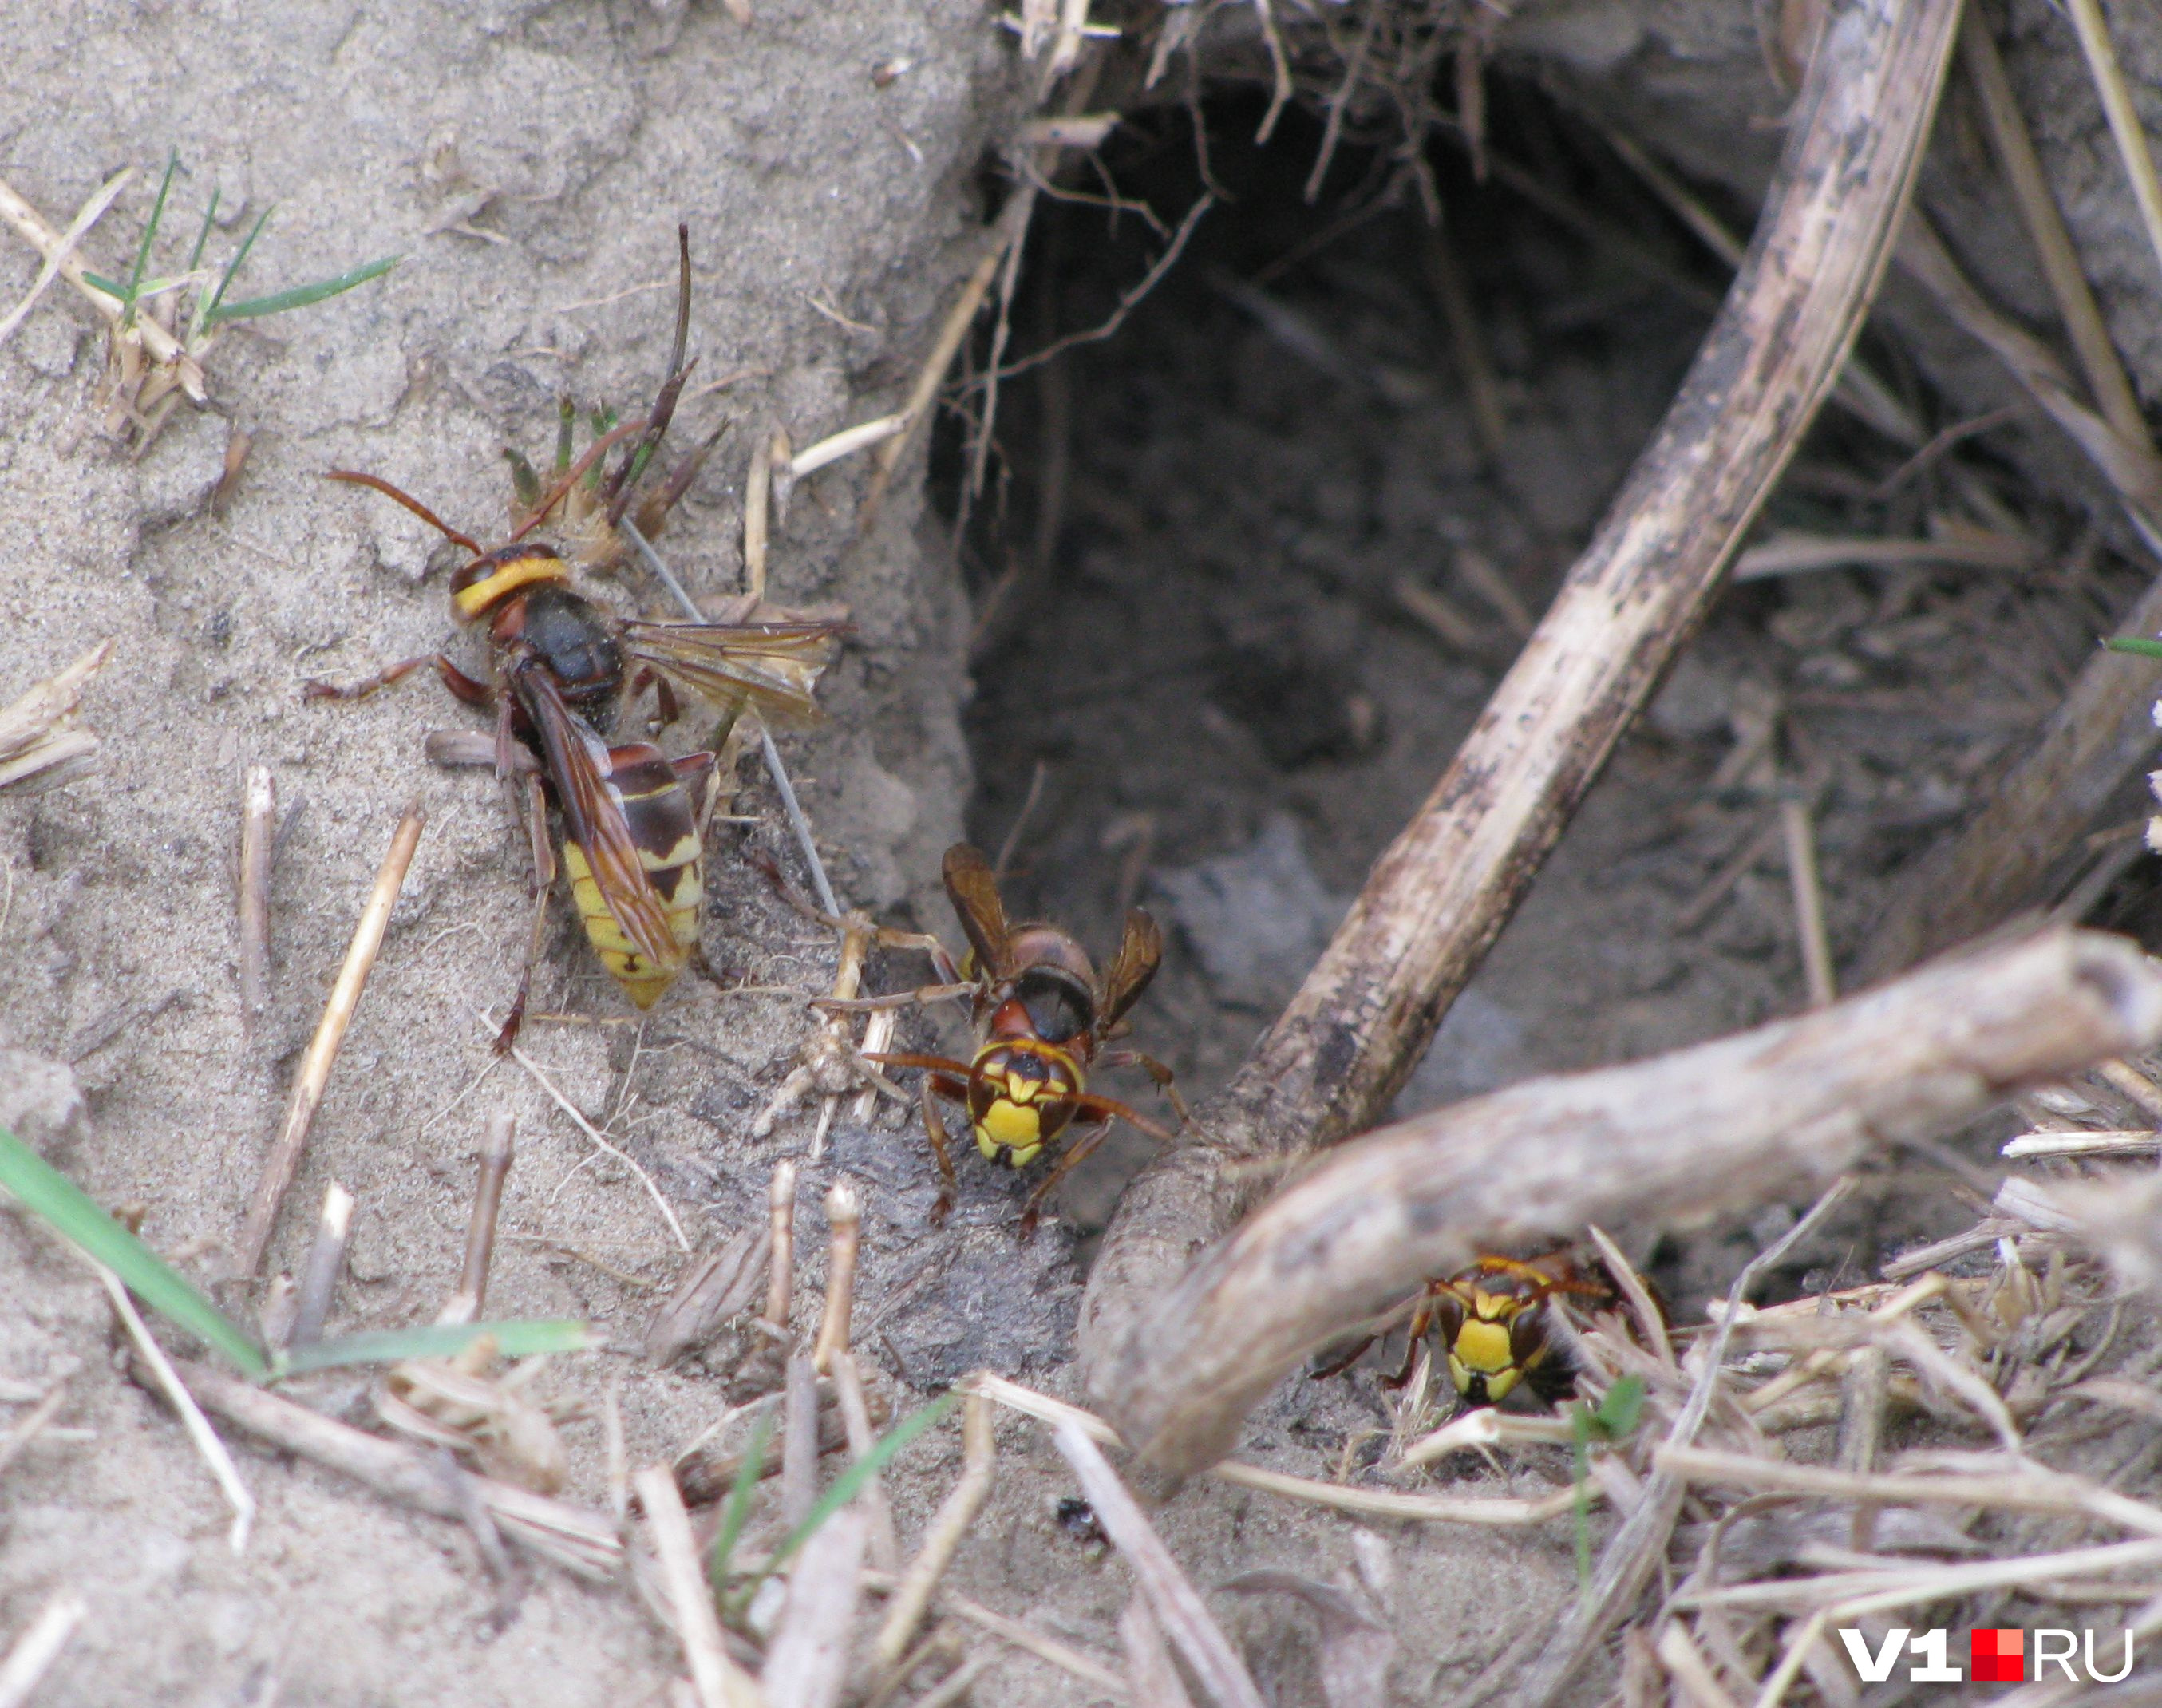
(1997, 1655)
(2000, 1655)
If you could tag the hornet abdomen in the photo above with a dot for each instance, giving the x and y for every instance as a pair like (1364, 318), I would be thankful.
(663, 801)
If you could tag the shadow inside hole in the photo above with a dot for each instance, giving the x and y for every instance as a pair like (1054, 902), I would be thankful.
(1198, 549)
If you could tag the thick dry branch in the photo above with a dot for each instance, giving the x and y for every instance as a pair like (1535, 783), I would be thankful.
(1734, 1122)
(1439, 896)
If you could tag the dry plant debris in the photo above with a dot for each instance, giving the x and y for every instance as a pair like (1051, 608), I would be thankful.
(1717, 1125)
(38, 1645)
(159, 330)
(42, 746)
(459, 1405)
(282, 1162)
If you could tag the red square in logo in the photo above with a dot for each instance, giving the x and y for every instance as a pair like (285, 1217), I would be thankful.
(1999, 1657)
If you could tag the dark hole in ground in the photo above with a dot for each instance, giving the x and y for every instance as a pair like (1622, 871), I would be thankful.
(1245, 572)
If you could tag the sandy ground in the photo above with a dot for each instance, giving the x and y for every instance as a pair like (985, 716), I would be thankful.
(530, 162)
(1229, 518)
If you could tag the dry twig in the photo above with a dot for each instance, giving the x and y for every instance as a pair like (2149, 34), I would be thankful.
(581, 1542)
(1183, 1615)
(2124, 117)
(2129, 464)
(720, 1682)
(497, 1147)
(284, 1162)
(158, 343)
(2015, 147)
(764, 1367)
(863, 1440)
(845, 1216)
(1152, 1675)
(258, 819)
(57, 253)
(1012, 222)
(1794, 554)
(39, 1646)
(1012, 1630)
(807, 1662)
(1723, 1123)
(1343, 1497)
(41, 746)
(913, 1592)
(781, 1223)
(2023, 1487)
(1800, 838)
(319, 1276)
(226, 1473)
(800, 1442)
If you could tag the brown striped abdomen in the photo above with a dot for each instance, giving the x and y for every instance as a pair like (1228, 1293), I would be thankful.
(662, 814)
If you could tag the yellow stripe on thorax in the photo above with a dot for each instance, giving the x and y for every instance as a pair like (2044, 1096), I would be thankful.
(519, 573)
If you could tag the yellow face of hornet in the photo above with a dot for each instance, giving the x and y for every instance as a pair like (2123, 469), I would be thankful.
(1494, 1326)
(1021, 1093)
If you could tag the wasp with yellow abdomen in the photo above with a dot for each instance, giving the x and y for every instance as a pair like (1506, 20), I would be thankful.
(1042, 1015)
(633, 818)
(1493, 1320)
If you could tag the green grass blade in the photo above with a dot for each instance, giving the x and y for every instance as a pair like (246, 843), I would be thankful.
(301, 297)
(736, 1508)
(157, 287)
(1615, 1419)
(566, 417)
(209, 312)
(149, 236)
(2134, 643)
(69, 1211)
(111, 287)
(845, 1487)
(202, 236)
(602, 422)
(524, 482)
(521, 1339)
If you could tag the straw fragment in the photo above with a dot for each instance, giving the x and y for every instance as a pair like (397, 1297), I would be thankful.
(284, 1162)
